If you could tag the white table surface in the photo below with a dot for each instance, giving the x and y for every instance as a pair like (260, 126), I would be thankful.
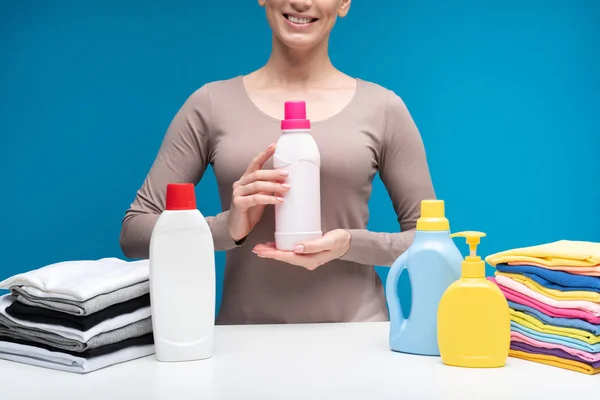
(324, 361)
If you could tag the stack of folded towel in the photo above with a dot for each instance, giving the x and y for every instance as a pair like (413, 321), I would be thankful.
(553, 291)
(77, 316)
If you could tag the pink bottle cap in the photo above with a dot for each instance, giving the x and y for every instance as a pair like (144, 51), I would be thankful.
(295, 116)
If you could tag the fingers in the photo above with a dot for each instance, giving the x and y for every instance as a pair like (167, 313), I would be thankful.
(307, 261)
(284, 256)
(264, 247)
(261, 187)
(258, 193)
(269, 175)
(315, 246)
(246, 202)
(258, 161)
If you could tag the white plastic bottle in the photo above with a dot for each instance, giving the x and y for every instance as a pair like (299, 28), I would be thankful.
(182, 279)
(298, 218)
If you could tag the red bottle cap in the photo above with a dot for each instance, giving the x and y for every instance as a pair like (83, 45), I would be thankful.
(181, 196)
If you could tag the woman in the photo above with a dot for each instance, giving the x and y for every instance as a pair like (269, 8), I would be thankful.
(360, 127)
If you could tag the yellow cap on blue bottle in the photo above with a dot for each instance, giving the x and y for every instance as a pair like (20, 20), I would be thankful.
(433, 216)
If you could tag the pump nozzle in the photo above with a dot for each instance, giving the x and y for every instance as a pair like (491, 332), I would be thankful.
(472, 239)
(473, 266)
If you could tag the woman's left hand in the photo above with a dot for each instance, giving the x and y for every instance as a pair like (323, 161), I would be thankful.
(312, 254)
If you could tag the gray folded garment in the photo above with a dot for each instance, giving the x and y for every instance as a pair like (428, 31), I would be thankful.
(11, 329)
(87, 307)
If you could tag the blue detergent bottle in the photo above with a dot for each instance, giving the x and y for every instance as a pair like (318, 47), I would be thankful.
(433, 262)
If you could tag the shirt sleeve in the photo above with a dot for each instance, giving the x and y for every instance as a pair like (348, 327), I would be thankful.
(183, 157)
(405, 173)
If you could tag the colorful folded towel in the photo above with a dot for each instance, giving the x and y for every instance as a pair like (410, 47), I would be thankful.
(574, 295)
(587, 306)
(554, 279)
(586, 271)
(555, 339)
(517, 297)
(536, 324)
(559, 253)
(553, 291)
(552, 352)
(584, 355)
(556, 321)
(555, 362)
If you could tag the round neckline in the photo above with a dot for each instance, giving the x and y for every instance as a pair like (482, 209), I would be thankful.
(344, 110)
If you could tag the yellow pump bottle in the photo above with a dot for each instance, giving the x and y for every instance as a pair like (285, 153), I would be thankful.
(473, 316)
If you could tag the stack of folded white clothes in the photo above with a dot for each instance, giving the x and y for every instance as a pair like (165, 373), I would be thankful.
(77, 316)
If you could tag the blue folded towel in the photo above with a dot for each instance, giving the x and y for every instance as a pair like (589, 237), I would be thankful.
(552, 279)
(556, 339)
(556, 321)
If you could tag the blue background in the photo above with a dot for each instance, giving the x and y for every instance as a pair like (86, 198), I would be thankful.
(506, 95)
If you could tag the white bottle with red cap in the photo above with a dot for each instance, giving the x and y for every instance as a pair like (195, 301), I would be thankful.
(298, 218)
(182, 279)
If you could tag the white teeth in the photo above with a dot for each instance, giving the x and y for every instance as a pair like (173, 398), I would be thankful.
(297, 20)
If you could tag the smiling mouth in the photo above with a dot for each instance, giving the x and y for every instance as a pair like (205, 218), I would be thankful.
(299, 20)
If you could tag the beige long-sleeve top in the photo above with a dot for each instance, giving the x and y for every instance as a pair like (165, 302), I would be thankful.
(219, 125)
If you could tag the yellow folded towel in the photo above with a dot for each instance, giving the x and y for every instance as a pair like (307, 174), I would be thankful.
(552, 293)
(560, 253)
(555, 362)
(533, 323)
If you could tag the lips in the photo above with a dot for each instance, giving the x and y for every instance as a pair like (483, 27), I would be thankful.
(300, 19)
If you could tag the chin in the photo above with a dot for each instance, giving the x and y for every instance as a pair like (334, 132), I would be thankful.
(300, 43)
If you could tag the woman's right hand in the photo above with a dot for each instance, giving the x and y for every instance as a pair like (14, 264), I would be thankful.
(252, 193)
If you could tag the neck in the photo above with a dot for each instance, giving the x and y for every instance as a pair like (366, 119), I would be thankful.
(293, 68)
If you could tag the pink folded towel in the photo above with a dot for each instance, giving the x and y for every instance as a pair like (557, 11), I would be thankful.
(520, 298)
(589, 306)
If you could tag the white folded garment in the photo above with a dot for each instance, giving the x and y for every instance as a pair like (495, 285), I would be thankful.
(75, 334)
(65, 362)
(80, 280)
